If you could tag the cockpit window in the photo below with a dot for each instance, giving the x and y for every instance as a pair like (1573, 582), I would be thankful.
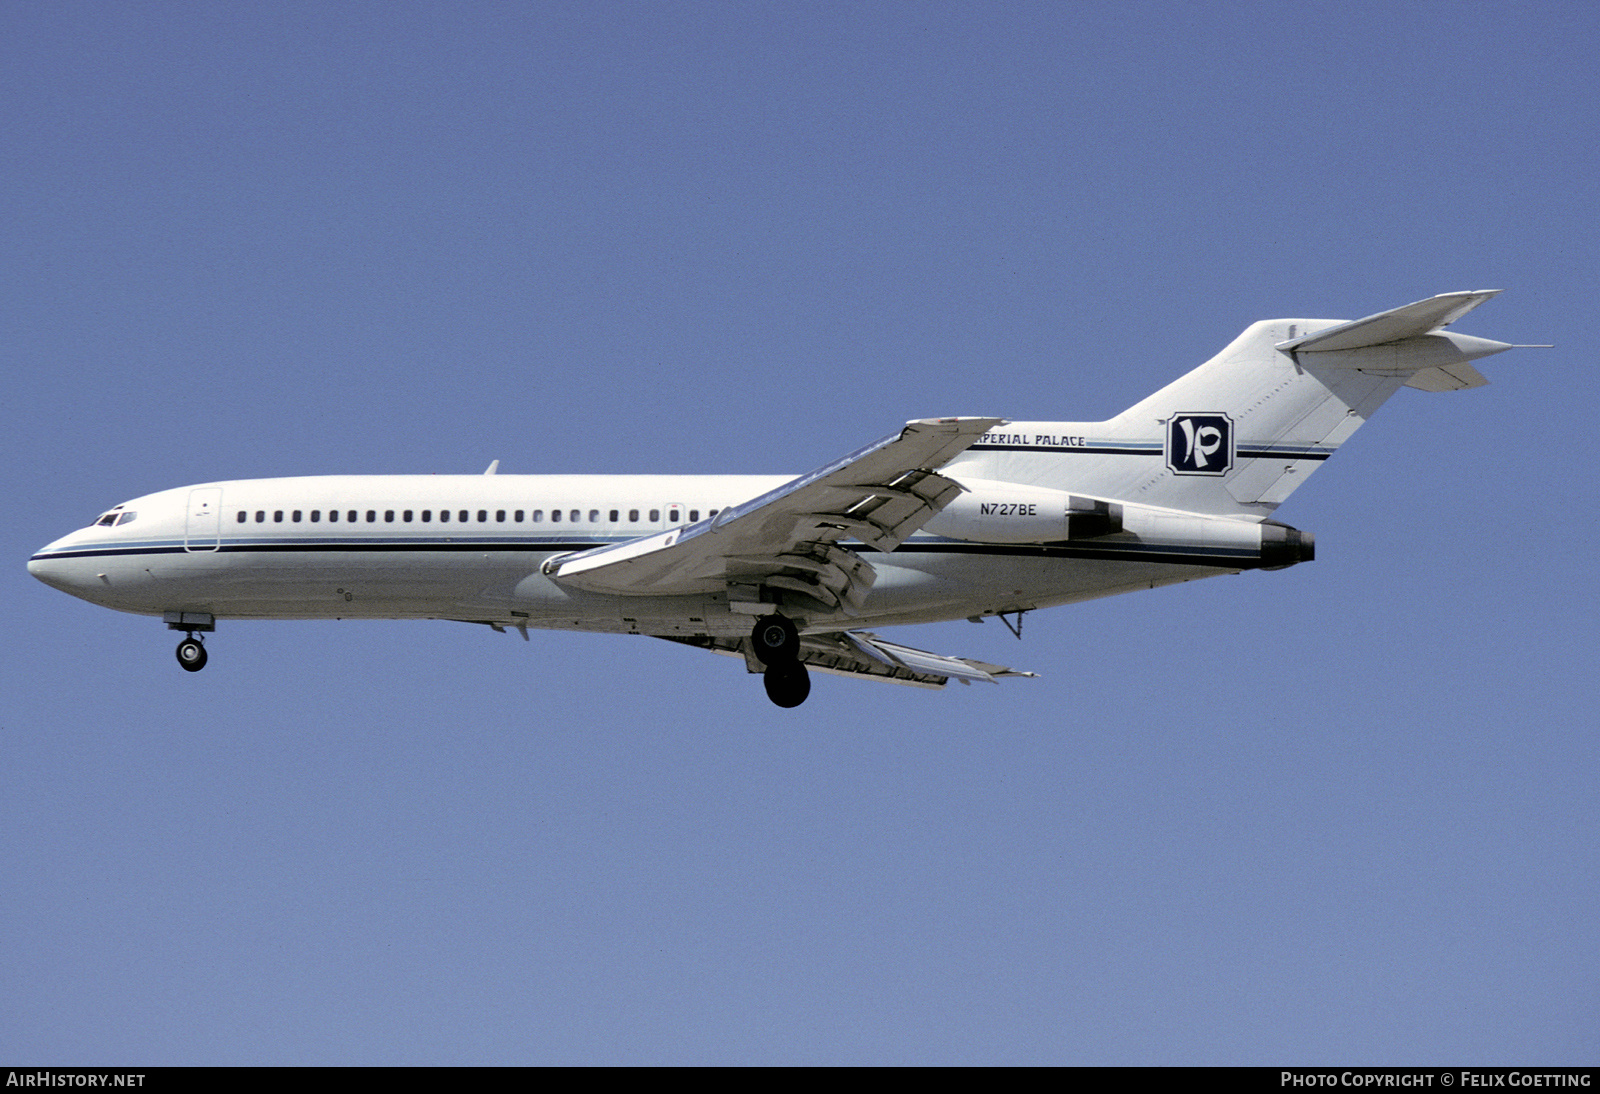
(107, 521)
(127, 518)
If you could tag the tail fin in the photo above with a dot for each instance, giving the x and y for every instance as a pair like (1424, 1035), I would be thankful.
(1236, 436)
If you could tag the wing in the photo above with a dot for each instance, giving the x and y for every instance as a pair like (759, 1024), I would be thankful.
(866, 656)
(788, 537)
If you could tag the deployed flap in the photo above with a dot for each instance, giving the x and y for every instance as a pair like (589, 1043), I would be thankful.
(786, 538)
(921, 662)
(863, 655)
(1410, 321)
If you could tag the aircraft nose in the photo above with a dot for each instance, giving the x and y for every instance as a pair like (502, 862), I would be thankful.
(68, 574)
(47, 570)
(108, 581)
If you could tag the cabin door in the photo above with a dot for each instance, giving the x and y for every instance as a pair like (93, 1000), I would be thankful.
(202, 530)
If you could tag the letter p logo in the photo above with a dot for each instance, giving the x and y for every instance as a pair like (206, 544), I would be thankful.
(1200, 444)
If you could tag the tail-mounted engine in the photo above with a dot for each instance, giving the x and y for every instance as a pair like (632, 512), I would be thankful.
(998, 512)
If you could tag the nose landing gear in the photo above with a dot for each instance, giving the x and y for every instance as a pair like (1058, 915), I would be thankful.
(776, 643)
(191, 654)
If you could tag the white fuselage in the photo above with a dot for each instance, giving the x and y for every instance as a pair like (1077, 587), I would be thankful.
(943, 519)
(470, 547)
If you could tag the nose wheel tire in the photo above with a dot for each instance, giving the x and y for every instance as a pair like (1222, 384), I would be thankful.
(191, 655)
(787, 685)
(775, 640)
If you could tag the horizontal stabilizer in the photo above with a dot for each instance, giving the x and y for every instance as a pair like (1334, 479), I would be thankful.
(1410, 321)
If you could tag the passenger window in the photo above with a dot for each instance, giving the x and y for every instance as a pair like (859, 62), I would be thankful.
(427, 516)
(633, 515)
(444, 516)
(594, 516)
(555, 515)
(388, 516)
(333, 515)
(500, 515)
(350, 516)
(575, 516)
(711, 514)
(519, 516)
(655, 515)
(372, 516)
(316, 515)
(241, 516)
(538, 516)
(483, 516)
(406, 516)
(261, 516)
(462, 516)
(694, 515)
(277, 516)
(613, 517)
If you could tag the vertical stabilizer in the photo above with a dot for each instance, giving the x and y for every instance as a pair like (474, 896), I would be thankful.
(1237, 435)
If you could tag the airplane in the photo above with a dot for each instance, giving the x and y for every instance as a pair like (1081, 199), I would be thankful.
(947, 518)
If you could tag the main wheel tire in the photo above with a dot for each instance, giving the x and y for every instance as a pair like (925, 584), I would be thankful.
(776, 640)
(191, 655)
(787, 685)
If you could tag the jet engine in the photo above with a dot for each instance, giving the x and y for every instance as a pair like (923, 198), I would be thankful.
(1000, 512)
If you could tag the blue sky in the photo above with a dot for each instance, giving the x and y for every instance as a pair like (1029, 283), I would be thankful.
(1344, 812)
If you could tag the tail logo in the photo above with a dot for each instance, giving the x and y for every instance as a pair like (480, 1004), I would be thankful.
(1200, 444)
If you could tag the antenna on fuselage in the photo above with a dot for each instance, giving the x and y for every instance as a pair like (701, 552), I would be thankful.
(492, 468)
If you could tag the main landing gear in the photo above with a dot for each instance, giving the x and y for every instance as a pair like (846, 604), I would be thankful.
(776, 643)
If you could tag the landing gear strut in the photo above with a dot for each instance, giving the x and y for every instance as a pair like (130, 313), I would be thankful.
(776, 643)
(191, 654)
